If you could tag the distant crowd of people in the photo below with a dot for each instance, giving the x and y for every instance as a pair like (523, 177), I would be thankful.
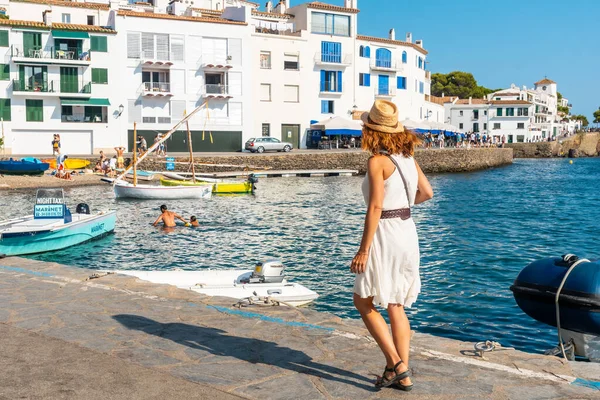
(462, 140)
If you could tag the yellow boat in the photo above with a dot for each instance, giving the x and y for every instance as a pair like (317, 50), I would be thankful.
(220, 187)
(70, 163)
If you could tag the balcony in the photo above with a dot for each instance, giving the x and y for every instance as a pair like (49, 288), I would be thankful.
(155, 89)
(157, 60)
(385, 92)
(215, 62)
(33, 88)
(473, 118)
(386, 65)
(330, 88)
(156, 120)
(330, 59)
(428, 75)
(51, 55)
(215, 91)
(97, 119)
(83, 90)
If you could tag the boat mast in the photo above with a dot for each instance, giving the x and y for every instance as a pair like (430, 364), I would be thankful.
(187, 123)
(134, 154)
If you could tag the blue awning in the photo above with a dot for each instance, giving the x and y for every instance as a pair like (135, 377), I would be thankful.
(342, 132)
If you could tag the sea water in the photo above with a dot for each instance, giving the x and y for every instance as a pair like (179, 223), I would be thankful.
(476, 235)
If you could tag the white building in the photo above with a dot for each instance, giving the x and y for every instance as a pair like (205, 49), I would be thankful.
(90, 70)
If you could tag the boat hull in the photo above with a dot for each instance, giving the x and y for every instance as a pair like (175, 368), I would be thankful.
(22, 168)
(225, 187)
(535, 290)
(60, 238)
(141, 175)
(70, 163)
(148, 192)
(228, 283)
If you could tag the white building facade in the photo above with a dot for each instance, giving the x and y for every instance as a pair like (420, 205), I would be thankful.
(91, 70)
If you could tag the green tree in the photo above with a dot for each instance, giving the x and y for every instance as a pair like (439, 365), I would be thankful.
(597, 116)
(564, 109)
(457, 83)
(559, 96)
(582, 118)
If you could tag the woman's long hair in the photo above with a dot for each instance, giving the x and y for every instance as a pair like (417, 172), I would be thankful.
(376, 142)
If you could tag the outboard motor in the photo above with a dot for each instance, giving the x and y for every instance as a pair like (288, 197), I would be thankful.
(253, 180)
(268, 272)
(82, 208)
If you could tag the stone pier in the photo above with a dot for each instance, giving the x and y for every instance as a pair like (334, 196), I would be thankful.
(64, 336)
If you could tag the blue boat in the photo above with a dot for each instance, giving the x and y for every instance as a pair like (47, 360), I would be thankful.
(53, 227)
(30, 166)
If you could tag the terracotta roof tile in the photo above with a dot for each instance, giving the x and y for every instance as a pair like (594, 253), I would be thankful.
(545, 81)
(389, 41)
(473, 101)
(324, 6)
(30, 24)
(212, 20)
(500, 102)
(271, 15)
(207, 11)
(87, 28)
(63, 3)
(505, 94)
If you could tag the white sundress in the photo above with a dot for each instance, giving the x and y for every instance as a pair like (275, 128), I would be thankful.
(392, 269)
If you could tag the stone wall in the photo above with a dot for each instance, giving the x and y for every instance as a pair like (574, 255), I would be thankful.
(431, 161)
(580, 145)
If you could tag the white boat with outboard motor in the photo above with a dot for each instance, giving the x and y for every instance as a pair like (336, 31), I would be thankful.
(265, 281)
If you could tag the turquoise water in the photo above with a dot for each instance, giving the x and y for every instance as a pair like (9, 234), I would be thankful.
(480, 230)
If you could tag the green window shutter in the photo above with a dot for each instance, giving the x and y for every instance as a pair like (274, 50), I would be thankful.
(3, 38)
(5, 109)
(34, 110)
(100, 75)
(4, 72)
(499, 112)
(98, 43)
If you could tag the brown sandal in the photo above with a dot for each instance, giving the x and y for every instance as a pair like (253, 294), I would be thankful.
(384, 381)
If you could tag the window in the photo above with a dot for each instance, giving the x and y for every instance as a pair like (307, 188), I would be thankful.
(460, 113)
(4, 72)
(66, 18)
(34, 110)
(100, 75)
(291, 62)
(291, 93)
(361, 51)
(364, 51)
(383, 58)
(265, 92)
(364, 79)
(5, 109)
(326, 106)
(460, 126)
(98, 43)
(266, 130)
(475, 127)
(401, 83)
(331, 52)
(420, 62)
(330, 24)
(367, 52)
(421, 87)
(484, 126)
(521, 125)
(510, 112)
(90, 20)
(3, 38)
(404, 57)
(475, 114)
(265, 60)
(134, 40)
(522, 112)
(331, 81)
(497, 125)
(485, 112)
(498, 113)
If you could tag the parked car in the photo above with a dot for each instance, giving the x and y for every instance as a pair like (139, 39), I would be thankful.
(263, 144)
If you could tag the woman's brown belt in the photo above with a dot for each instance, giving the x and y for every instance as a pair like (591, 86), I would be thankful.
(402, 213)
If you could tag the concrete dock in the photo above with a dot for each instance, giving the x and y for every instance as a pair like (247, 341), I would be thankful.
(64, 336)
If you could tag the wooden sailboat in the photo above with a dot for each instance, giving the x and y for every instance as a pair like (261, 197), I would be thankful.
(124, 189)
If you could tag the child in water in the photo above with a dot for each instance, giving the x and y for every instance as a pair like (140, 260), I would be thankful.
(194, 222)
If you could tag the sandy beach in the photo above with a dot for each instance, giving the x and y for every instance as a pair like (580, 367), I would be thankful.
(14, 182)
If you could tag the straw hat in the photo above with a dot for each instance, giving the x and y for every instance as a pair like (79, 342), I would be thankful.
(383, 117)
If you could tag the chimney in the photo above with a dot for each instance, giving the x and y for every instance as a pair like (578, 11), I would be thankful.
(443, 94)
(419, 43)
(287, 4)
(408, 37)
(47, 16)
(348, 4)
(280, 9)
(392, 34)
(354, 4)
(269, 6)
(470, 100)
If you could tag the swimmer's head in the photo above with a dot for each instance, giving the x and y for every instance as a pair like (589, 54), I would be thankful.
(163, 208)
(193, 218)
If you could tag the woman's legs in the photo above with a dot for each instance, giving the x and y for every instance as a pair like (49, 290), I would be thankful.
(401, 334)
(378, 328)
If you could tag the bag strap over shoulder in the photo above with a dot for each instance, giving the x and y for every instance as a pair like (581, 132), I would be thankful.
(401, 176)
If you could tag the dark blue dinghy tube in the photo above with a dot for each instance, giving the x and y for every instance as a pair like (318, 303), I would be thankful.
(578, 310)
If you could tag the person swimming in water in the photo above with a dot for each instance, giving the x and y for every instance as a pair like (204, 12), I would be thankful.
(168, 218)
(194, 222)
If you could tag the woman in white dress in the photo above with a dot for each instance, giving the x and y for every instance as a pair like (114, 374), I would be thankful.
(387, 262)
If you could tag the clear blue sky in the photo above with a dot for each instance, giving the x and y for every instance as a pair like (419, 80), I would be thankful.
(501, 42)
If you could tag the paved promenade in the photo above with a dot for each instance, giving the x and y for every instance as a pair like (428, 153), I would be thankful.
(65, 337)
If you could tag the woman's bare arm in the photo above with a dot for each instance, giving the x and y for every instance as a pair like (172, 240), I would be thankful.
(376, 183)
(424, 190)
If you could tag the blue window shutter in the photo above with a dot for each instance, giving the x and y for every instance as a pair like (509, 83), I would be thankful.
(337, 51)
(322, 80)
(367, 79)
(339, 81)
(323, 106)
(398, 83)
(368, 52)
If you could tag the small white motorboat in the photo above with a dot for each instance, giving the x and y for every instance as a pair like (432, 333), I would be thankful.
(266, 280)
(125, 189)
(141, 175)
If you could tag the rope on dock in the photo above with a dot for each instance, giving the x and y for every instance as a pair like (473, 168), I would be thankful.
(261, 301)
(98, 275)
(487, 346)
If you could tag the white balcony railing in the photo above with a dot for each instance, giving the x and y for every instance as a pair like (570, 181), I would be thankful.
(156, 89)
(386, 65)
(215, 91)
(383, 92)
(342, 60)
